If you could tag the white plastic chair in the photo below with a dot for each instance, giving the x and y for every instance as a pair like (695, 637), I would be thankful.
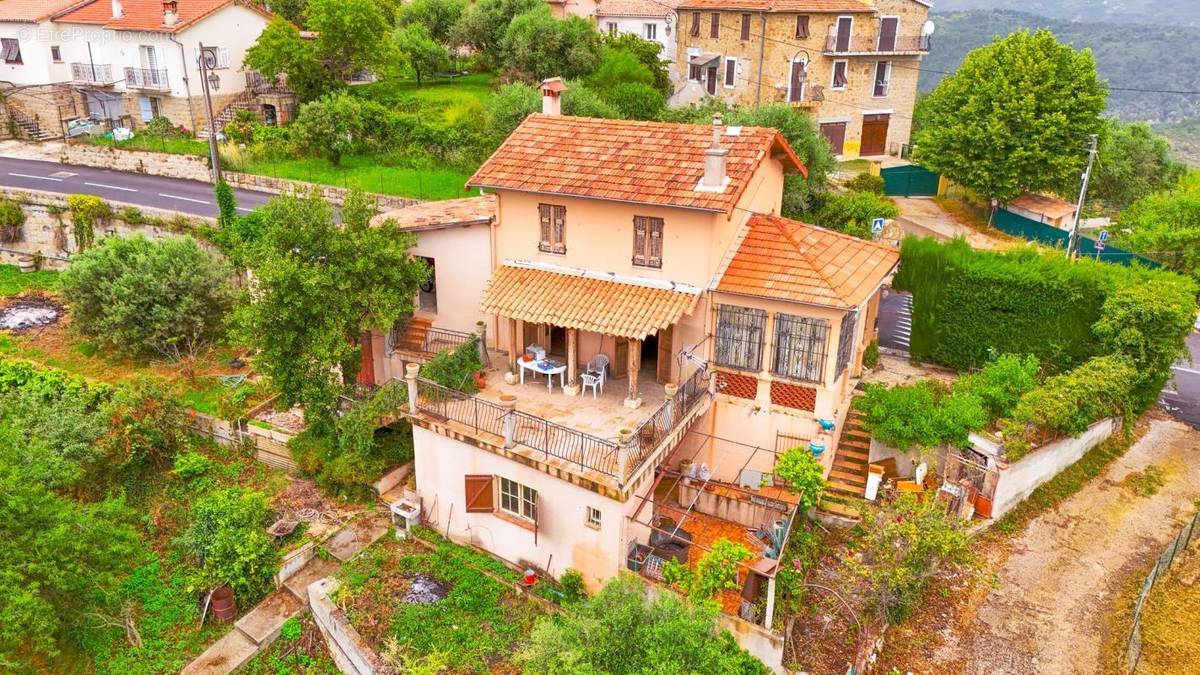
(592, 381)
(602, 366)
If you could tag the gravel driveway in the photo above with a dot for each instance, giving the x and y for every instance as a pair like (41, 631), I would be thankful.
(1055, 592)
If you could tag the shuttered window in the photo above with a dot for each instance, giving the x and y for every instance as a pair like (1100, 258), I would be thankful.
(695, 24)
(745, 26)
(518, 500)
(479, 494)
(839, 75)
(802, 26)
(714, 29)
(553, 228)
(10, 50)
(647, 241)
(883, 78)
(730, 72)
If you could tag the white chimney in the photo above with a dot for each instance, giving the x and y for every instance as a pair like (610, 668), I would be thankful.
(552, 90)
(117, 10)
(170, 12)
(715, 179)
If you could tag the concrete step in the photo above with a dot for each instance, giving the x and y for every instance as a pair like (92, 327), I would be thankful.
(851, 477)
(355, 537)
(262, 623)
(844, 453)
(849, 466)
(840, 509)
(316, 569)
(836, 488)
(223, 656)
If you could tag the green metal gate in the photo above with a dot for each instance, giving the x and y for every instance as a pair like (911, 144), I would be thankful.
(912, 180)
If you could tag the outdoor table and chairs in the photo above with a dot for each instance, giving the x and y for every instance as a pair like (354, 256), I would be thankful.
(547, 367)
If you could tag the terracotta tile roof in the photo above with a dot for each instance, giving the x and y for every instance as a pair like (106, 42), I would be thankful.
(621, 160)
(636, 7)
(797, 6)
(443, 214)
(789, 260)
(147, 15)
(31, 11)
(1051, 207)
(573, 299)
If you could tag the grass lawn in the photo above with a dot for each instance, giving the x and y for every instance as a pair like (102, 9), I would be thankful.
(173, 145)
(854, 166)
(432, 94)
(13, 282)
(368, 175)
(476, 627)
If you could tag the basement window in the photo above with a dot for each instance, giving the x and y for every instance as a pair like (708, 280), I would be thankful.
(518, 500)
(593, 517)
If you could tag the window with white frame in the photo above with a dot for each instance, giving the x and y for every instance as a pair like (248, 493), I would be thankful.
(730, 71)
(55, 54)
(693, 73)
(612, 27)
(800, 344)
(518, 500)
(593, 517)
(883, 78)
(739, 338)
(650, 31)
(839, 75)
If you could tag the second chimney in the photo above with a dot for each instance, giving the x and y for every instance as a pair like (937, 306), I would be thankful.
(170, 12)
(552, 90)
(117, 10)
(714, 159)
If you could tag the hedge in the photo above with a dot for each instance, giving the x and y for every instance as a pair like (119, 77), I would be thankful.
(969, 305)
(50, 383)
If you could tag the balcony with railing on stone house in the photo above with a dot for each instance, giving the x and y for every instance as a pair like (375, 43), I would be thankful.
(92, 73)
(154, 79)
(872, 45)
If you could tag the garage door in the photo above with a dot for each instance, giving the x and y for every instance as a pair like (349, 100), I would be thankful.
(835, 133)
(874, 134)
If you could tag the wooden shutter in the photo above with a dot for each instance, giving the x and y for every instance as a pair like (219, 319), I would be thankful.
(480, 498)
(639, 240)
(654, 259)
(559, 229)
(796, 92)
(695, 24)
(802, 26)
(839, 74)
(745, 26)
(714, 30)
(544, 216)
(887, 33)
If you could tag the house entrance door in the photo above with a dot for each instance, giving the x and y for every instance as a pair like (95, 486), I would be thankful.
(874, 134)
(427, 297)
(711, 84)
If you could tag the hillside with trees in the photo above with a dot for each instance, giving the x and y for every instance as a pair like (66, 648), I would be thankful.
(1167, 12)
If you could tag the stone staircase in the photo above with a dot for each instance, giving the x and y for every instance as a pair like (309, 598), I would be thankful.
(246, 100)
(848, 477)
(27, 127)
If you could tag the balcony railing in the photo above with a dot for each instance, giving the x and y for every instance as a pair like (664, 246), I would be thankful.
(870, 44)
(649, 436)
(146, 78)
(92, 73)
(809, 95)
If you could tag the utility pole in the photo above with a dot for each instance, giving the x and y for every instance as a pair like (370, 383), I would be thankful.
(1073, 240)
(213, 156)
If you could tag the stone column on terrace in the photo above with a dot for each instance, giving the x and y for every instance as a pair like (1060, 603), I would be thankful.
(410, 375)
(632, 400)
(571, 388)
(512, 345)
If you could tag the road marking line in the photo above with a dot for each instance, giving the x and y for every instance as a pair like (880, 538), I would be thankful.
(903, 331)
(25, 175)
(1169, 392)
(242, 208)
(186, 199)
(1191, 371)
(111, 187)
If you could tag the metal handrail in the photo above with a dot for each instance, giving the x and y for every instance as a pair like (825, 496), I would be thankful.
(870, 44)
(146, 78)
(91, 72)
(648, 437)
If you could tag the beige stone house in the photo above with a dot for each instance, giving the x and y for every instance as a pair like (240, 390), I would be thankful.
(656, 335)
(851, 64)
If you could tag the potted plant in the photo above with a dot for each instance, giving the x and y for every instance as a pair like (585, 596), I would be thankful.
(480, 379)
(510, 376)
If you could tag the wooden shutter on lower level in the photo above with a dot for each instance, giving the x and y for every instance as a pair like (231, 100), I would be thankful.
(479, 492)
(802, 26)
(656, 242)
(546, 238)
(639, 240)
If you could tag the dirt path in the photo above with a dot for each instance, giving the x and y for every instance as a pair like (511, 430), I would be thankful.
(924, 217)
(1055, 592)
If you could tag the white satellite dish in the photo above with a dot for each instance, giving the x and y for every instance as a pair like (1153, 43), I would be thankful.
(927, 29)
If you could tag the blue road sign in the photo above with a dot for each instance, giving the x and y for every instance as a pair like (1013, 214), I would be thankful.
(877, 225)
(1103, 235)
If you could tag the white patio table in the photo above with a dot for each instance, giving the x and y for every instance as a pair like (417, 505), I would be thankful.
(545, 367)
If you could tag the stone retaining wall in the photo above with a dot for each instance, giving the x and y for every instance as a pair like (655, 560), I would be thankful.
(194, 167)
(51, 236)
(350, 651)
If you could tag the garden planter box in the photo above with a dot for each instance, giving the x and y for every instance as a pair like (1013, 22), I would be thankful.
(293, 561)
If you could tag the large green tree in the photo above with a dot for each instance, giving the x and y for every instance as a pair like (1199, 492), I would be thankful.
(351, 35)
(165, 298)
(1133, 162)
(538, 46)
(1165, 226)
(483, 24)
(624, 630)
(318, 287)
(1015, 116)
(420, 50)
(648, 52)
(439, 16)
(279, 52)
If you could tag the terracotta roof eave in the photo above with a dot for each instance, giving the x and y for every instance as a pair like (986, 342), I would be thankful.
(764, 296)
(448, 225)
(604, 199)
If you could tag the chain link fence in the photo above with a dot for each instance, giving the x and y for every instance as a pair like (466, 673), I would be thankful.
(1133, 650)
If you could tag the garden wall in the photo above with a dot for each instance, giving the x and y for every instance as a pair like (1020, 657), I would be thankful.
(350, 651)
(51, 235)
(193, 167)
(1019, 479)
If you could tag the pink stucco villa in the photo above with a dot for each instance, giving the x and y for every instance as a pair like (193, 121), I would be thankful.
(657, 334)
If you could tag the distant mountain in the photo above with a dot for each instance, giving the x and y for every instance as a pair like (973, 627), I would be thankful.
(1164, 12)
(1128, 55)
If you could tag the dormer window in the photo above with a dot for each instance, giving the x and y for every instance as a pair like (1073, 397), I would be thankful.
(553, 228)
(647, 241)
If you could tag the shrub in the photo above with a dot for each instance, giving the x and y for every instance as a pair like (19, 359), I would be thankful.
(87, 211)
(923, 414)
(159, 126)
(636, 100)
(871, 355)
(1001, 383)
(572, 586)
(228, 541)
(147, 426)
(454, 368)
(149, 298)
(852, 213)
(241, 128)
(799, 469)
(12, 218)
(189, 465)
(866, 182)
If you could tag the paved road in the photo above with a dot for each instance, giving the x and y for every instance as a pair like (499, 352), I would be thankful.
(1181, 396)
(895, 321)
(176, 194)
